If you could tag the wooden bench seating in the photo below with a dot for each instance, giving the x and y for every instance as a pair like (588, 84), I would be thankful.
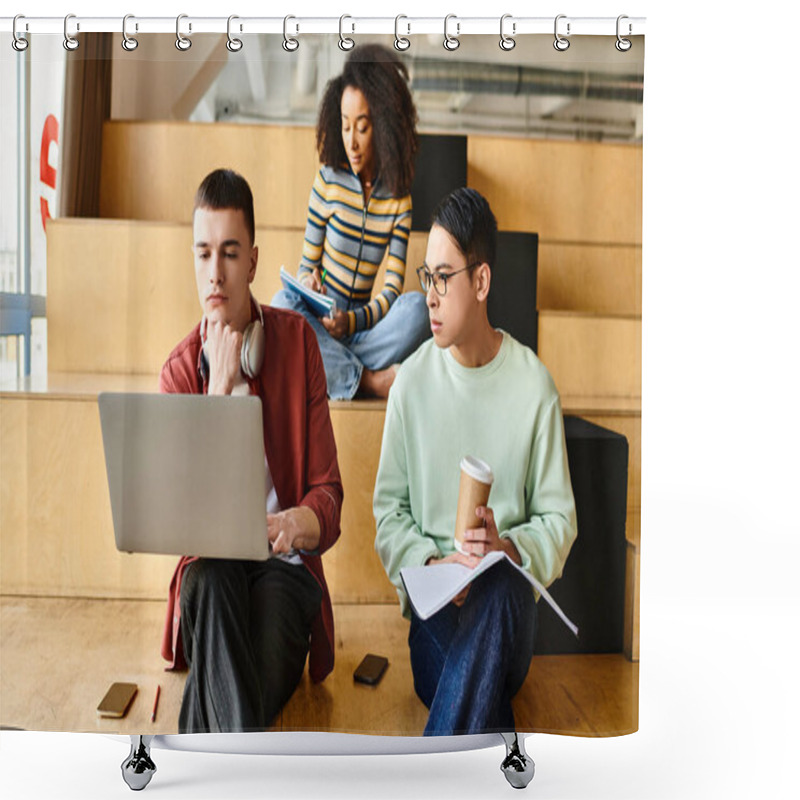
(57, 534)
(137, 298)
(57, 543)
(51, 440)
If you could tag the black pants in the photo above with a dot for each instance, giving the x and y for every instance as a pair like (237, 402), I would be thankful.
(245, 628)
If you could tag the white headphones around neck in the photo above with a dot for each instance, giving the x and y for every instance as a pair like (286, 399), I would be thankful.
(253, 346)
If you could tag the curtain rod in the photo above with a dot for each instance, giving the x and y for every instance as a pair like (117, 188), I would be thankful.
(451, 26)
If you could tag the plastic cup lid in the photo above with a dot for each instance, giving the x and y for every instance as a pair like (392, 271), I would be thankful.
(477, 469)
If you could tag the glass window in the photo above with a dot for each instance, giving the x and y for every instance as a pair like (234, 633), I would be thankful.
(580, 94)
(8, 176)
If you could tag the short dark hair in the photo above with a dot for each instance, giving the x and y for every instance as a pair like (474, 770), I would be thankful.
(380, 75)
(465, 214)
(224, 188)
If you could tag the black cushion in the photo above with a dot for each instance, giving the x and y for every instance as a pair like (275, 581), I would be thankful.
(512, 296)
(441, 167)
(591, 590)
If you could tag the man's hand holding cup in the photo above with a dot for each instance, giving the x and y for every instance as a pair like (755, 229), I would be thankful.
(483, 540)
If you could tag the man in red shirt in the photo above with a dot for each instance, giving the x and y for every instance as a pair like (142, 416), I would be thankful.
(244, 628)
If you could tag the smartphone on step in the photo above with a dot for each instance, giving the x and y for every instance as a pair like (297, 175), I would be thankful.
(117, 700)
(371, 669)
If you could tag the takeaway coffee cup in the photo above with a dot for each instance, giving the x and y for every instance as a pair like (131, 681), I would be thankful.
(476, 483)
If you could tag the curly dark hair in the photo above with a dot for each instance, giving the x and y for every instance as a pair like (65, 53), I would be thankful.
(383, 80)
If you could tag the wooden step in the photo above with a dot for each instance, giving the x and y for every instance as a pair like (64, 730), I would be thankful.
(602, 279)
(57, 535)
(136, 297)
(60, 655)
(571, 192)
(55, 516)
(632, 595)
(151, 170)
(583, 192)
(592, 354)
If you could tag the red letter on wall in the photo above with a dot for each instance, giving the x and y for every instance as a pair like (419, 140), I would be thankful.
(47, 173)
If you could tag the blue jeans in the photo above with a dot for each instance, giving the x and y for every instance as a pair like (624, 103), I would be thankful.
(469, 662)
(404, 328)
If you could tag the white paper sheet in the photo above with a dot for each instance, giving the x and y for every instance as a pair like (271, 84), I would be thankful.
(430, 588)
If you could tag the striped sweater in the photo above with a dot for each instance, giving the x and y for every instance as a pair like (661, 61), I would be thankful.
(348, 241)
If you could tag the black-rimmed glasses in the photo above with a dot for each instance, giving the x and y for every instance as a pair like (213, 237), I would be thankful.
(438, 279)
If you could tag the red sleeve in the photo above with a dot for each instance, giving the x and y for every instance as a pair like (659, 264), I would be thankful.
(325, 492)
(166, 381)
(179, 373)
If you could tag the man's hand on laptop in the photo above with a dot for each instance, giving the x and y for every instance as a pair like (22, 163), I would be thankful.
(293, 529)
(223, 350)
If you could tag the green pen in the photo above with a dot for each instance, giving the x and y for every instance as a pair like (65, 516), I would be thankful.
(321, 285)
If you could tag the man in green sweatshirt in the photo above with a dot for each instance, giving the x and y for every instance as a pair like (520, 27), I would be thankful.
(472, 390)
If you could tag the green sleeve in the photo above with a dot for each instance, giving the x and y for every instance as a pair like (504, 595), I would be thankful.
(545, 539)
(399, 541)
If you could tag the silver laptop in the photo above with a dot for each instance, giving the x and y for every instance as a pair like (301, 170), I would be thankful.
(186, 474)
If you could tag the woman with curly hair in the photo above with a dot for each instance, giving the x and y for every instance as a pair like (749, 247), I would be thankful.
(360, 205)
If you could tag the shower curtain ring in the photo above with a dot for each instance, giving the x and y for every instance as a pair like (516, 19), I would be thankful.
(561, 44)
(507, 42)
(182, 42)
(345, 42)
(234, 45)
(70, 42)
(18, 41)
(623, 45)
(290, 44)
(129, 43)
(400, 42)
(451, 42)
